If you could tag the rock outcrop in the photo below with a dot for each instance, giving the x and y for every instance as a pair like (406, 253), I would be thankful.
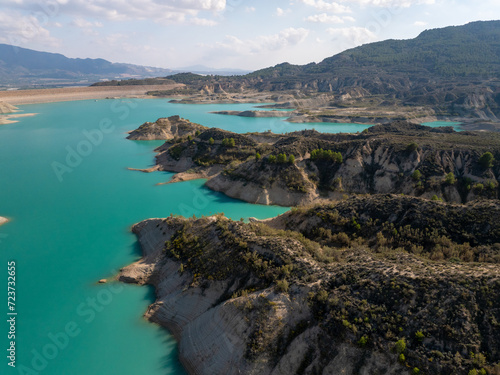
(165, 128)
(302, 167)
(247, 298)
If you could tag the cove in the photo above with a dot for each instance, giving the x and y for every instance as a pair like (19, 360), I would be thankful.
(68, 230)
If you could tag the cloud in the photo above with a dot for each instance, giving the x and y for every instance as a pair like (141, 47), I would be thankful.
(202, 21)
(167, 11)
(18, 29)
(327, 6)
(275, 42)
(326, 18)
(391, 3)
(83, 23)
(420, 23)
(352, 36)
(249, 9)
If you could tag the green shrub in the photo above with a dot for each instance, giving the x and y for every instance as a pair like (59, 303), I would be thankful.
(229, 142)
(291, 159)
(282, 286)
(257, 156)
(400, 346)
(415, 371)
(271, 159)
(363, 341)
(281, 158)
(450, 179)
(436, 198)
(211, 141)
(486, 160)
(327, 155)
(419, 335)
(402, 358)
(417, 175)
(412, 147)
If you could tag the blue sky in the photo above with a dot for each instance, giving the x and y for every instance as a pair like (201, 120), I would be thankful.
(224, 33)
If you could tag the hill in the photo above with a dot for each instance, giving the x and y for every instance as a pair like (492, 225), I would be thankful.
(454, 72)
(25, 67)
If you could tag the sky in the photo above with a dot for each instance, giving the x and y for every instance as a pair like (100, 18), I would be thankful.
(238, 34)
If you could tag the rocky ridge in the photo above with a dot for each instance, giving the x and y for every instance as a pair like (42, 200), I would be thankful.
(254, 298)
(303, 167)
(165, 128)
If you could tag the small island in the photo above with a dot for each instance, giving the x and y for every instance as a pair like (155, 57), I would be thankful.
(3, 220)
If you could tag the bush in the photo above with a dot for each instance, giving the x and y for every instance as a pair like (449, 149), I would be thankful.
(436, 198)
(211, 141)
(450, 179)
(257, 156)
(402, 358)
(281, 158)
(415, 371)
(282, 286)
(412, 147)
(271, 159)
(486, 160)
(417, 175)
(400, 346)
(229, 142)
(326, 155)
(419, 335)
(363, 341)
(291, 159)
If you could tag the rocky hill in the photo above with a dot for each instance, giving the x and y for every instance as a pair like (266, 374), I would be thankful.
(254, 298)
(302, 167)
(166, 128)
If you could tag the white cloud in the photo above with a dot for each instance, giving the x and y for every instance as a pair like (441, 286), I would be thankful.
(326, 18)
(249, 9)
(352, 36)
(167, 11)
(420, 23)
(83, 23)
(275, 42)
(202, 21)
(18, 29)
(327, 6)
(391, 3)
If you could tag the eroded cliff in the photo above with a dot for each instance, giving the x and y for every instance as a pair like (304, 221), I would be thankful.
(253, 299)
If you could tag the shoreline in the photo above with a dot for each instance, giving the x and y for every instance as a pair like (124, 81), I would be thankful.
(35, 96)
(3, 220)
(8, 118)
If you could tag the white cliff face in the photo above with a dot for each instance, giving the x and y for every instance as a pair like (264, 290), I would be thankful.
(215, 332)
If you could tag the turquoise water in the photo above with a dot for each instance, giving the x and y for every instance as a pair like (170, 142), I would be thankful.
(71, 201)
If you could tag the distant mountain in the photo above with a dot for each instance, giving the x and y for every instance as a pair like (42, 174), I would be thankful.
(454, 69)
(25, 67)
(202, 69)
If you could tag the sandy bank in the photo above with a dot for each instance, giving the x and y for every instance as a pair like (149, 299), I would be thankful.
(3, 220)
(8, 119)
(78, 93)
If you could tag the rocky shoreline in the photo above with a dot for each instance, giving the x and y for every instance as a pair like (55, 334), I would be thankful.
(312, 309)
(398, 157)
